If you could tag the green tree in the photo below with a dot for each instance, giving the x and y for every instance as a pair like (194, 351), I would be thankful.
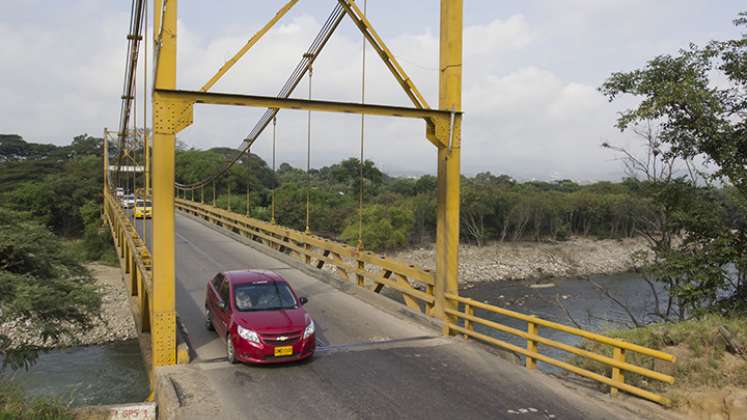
(42, 286)
(695, 118)
(385, 228)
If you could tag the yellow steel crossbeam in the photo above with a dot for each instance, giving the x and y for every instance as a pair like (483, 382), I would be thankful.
(386, 55)
(186, 96)
(249, 44)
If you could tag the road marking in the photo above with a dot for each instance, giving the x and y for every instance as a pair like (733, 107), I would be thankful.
(531, 410)
(372, 344)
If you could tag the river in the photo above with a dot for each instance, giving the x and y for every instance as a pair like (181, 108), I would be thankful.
(583, 302)
(102, 374)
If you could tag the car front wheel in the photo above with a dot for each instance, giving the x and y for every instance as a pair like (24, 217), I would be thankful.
(230, 351)
(209, 320)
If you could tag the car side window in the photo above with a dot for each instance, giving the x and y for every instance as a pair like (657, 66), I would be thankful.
(224, 292)
(217, 280)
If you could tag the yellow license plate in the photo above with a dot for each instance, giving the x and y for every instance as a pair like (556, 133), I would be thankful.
(284, 351)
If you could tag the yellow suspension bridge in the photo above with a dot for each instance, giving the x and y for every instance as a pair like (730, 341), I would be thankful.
(429, 352)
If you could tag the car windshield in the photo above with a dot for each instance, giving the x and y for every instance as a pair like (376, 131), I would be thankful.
(142, 203)
(263, 296)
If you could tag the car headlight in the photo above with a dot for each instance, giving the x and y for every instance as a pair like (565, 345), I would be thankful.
(247, 334)
(309, 330)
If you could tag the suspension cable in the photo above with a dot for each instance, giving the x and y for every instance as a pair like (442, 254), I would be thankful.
(146, 150)
(363, 124)
(325, 33)
(308, 156)
(134, 142)
(248, 172)
(274, 173)
(128, 88)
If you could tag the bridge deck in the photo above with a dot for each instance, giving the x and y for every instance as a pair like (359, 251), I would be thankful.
(370, 363)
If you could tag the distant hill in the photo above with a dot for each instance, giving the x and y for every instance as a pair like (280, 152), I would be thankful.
(21, 161)
(13, 147)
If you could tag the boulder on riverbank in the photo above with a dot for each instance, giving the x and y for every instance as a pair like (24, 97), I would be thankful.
(115, 323)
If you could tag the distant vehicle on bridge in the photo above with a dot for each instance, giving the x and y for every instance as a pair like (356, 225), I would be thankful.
(128, 201)
(260, 317)
(119, 192)
(143, 209)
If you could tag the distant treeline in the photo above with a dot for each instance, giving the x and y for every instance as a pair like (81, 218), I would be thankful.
(401, 211)
(60, 187)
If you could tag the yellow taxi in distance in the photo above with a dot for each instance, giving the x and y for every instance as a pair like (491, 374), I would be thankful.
(143, 209)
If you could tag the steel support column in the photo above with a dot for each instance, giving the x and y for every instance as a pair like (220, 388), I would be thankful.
(163, 318)
(449, 99)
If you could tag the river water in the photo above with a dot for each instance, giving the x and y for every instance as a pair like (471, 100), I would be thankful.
(583, 302)
(103, 374)
(586, 300)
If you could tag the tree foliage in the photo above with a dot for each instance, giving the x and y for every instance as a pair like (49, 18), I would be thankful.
(49, 195)
(42, 286)
(695, 118)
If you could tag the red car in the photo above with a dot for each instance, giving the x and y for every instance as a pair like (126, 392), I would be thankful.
(259, 316)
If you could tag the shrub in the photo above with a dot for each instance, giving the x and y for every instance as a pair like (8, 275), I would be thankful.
(17, 406)
(385, 228)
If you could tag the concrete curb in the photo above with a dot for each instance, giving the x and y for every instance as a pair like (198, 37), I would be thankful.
(165, 396)
(144, 410)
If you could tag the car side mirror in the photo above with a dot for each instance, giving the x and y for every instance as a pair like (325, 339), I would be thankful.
(304, 300)
(222, 305)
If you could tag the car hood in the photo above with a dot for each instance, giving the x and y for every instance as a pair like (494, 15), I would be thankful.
(273, 321)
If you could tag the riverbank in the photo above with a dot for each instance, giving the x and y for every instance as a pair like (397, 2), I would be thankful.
(115, 322)
(711, 369)
(535, 260)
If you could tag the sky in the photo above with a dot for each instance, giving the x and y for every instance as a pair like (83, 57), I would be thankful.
(531, 69)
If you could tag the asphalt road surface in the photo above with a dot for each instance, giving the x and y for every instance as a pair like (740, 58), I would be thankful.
(369, 363)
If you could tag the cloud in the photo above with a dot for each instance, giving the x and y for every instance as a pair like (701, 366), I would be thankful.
(337, 76)
(497, 35)
(529, 88)
(532, 124)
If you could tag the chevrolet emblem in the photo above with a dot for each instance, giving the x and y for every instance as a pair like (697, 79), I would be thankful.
(281, 338)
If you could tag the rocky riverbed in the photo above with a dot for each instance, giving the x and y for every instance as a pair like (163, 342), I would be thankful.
(115, 322)
(535, 260)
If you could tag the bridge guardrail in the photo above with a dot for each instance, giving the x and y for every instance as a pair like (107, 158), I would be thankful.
(365, 268)
(135, 260)
(465, 312)
(462, 318)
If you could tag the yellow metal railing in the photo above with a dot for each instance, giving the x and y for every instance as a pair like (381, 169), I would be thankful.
(364, 268)
(465, 312)
(135, 261)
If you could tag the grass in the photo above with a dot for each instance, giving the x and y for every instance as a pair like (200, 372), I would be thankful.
(14, 404)
(704, 361)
